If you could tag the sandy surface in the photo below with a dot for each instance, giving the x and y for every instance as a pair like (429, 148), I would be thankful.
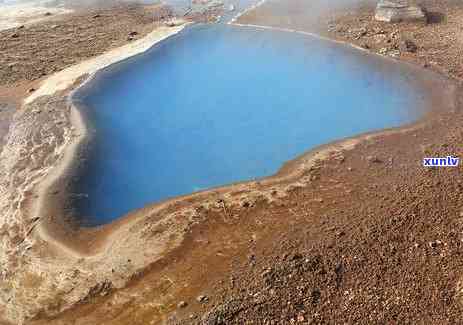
(436, 46)
(44, 132)
(66, 78)
(39, 50)
(12, 16)
(353, 231)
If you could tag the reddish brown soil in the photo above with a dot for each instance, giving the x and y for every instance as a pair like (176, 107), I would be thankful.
(380, 244)
(375, 237)
(439, 44)
(31, 53)
(38, 50)
(368, 241)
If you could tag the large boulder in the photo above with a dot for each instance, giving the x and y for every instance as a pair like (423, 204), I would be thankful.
(394, 11)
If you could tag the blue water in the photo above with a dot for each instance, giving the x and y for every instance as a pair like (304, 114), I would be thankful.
(218, 104)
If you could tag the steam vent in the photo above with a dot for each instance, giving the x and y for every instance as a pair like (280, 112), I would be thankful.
(394, 11)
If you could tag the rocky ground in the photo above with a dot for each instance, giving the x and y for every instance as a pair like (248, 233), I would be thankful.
(436, 45)
(31, 272)
(375, 238)
(35, 51)
(370, 236)
(31, 53)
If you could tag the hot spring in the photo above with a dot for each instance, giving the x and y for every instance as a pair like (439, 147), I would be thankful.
(218, 104)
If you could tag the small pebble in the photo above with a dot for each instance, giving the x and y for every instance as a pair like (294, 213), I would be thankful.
(202, 299)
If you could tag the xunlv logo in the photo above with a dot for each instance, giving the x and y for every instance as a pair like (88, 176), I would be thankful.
(441, 162)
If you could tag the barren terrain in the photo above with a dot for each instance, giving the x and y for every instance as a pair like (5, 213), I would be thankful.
(34, 51)
(363, 234)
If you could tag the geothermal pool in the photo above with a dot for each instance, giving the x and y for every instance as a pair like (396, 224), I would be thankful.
(218, 104)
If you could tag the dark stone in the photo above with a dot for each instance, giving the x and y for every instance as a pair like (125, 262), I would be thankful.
(394, 11)
(373, 159)
(202, 299)
(408, 46)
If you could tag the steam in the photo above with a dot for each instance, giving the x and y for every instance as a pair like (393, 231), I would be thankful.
(99, 3)
(307, 14)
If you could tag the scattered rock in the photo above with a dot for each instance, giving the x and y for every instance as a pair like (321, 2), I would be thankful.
(14, 35)
(296, 256)
(96, 16)
(394, 11)
(373, 159)
(174, 22)
(315, 295)
(101, 289)
(408, 46)
(48, 13)
(435, 243)
(202, 299)
(132, 35)
(365, 46)
(265, 273)
(340, 233)
(359, 33)
(394, 53)
(182, 304)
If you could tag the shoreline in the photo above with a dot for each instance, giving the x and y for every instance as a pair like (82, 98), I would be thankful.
(66, 79)
(253, 7)
(19, 205)
(290, 175)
